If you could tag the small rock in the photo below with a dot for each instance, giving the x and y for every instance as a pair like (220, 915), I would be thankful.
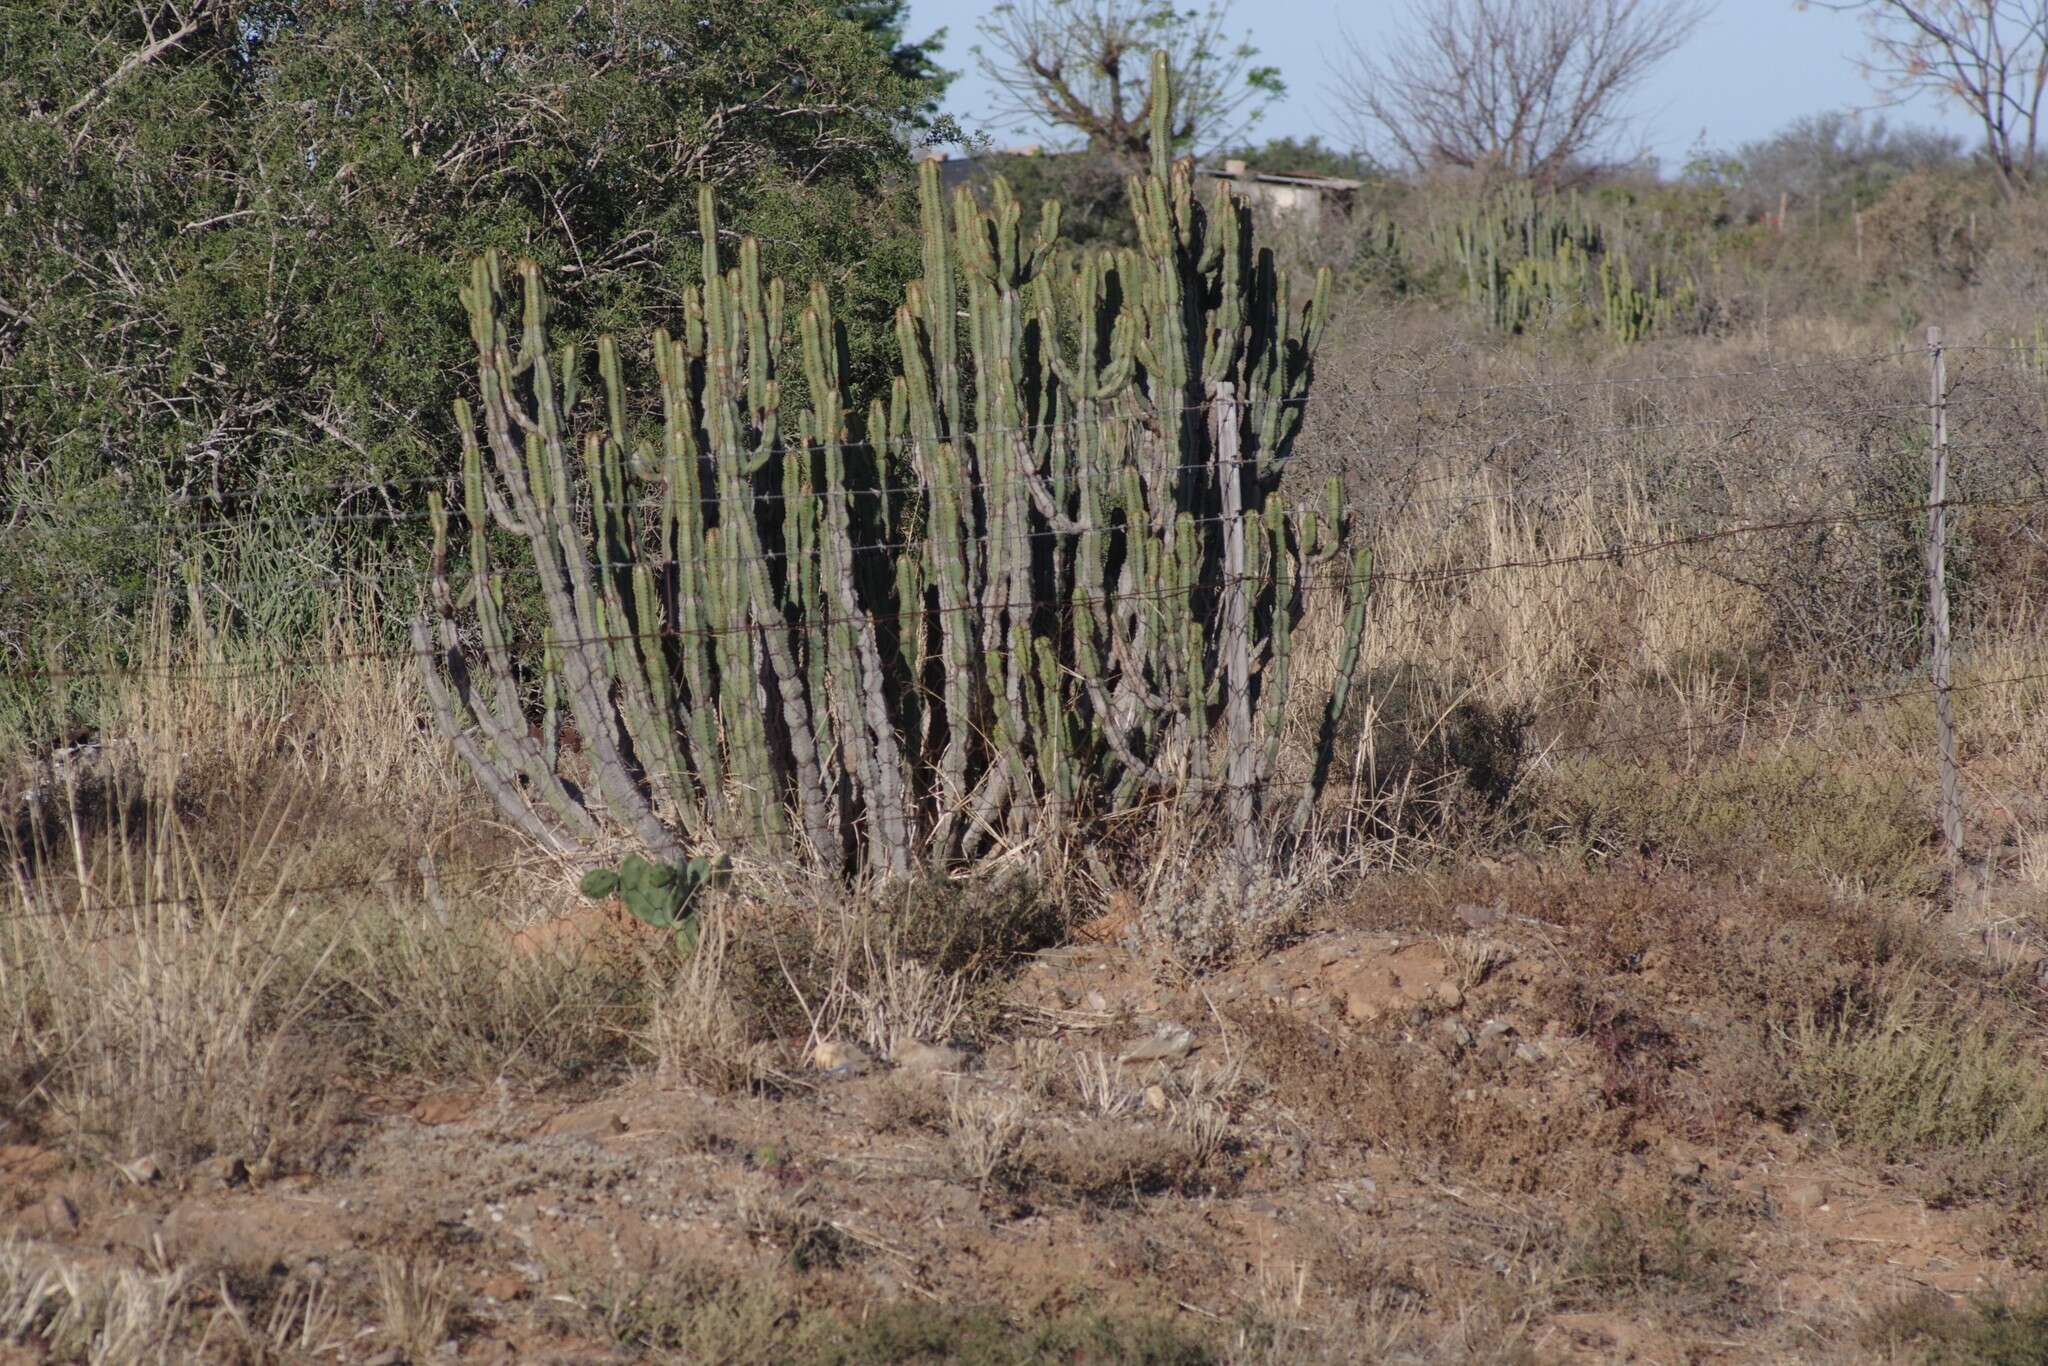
(1155, 1099)
(1457, 1033)
(1494, 1029)
(1096, 1001)
(1448, 996)
(504, 1289)
(1477, 917)
(142, 1171)
(134, 1231)
(448, 1107)
(1169, 1043)
(1361, 1008)
(26, 1161)
(1808, 1197)
(1528, 1052)
(59, 1215)
(841, 1059)
(585, 1123)
(928, 1058)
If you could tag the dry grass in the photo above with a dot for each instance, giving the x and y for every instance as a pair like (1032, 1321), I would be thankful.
(64, 1311)
(416, 1306)
(214, 917)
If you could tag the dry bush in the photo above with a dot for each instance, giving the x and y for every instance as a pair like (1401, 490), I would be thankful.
(1204, 907)
(1527, 674)
(1099, 1087)
(1107, 1162)
(296, 1320)
(986, 1129)
(171, 1018)
(1931, 1328)
(1801, 810)
(791, 1223)
(406, 994)
(883, 966)
(1923, 228)
(908, 1104)
(1683, 998)
(216, 1026)
(701, 1311)
(1652, 1254)
(1377, 1092)
(1911, 1079)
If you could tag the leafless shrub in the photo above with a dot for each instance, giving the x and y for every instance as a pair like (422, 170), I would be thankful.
(1527, 88)
(1990, 56)
(1082, 64)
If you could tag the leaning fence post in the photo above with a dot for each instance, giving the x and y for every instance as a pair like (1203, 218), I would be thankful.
(1937, 599)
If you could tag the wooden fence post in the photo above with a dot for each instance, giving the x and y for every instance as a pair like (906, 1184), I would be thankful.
(1937, 599)
(1234, 637)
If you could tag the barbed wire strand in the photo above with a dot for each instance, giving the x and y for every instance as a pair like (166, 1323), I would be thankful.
(1310, 582)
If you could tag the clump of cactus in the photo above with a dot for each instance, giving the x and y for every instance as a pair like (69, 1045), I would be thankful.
(659, 894)
(1525, 259)
(1086, 600)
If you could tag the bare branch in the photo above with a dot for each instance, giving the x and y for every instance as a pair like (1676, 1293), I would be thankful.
(1083, 64)
(186, 24)
(1989, 55)
(1529, 88)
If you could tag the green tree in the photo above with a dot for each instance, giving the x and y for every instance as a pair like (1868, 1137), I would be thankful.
(1307, 156)
(231, 233)
(886, 21)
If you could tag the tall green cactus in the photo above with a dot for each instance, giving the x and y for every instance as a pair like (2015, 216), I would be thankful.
(1087, 601)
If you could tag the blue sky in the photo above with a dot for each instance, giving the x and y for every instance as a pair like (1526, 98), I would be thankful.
(1753, 67)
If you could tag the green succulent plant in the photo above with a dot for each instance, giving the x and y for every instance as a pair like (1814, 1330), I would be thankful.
(660, 894)
(1049, 576)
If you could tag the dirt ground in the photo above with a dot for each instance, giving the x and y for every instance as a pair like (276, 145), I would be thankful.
(1524, 1117)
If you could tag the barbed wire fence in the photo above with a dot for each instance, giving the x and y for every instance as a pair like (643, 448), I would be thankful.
(1472, 529)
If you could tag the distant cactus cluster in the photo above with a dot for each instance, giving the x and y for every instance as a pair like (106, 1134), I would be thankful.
(1528, 259)
(1049, 576)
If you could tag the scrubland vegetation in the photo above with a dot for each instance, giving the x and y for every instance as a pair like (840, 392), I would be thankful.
(1615, 999)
